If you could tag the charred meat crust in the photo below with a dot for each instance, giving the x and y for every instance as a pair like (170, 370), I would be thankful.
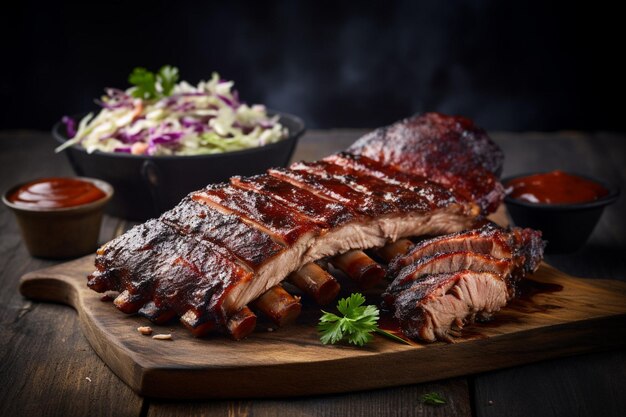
(152, 262)
(446, 263)
(402, 199)
(446, 282)
(251, 246)
(450, 150)
(326, 213)
(284, 224)
(438, 306)
(523, 244)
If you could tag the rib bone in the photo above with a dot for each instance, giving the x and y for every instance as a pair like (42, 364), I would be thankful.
(315, 282)
(280, 306)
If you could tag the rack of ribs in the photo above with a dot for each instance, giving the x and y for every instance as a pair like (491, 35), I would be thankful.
(225, 250)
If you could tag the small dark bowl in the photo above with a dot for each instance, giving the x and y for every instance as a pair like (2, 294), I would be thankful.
(566, 227)
(145, 186)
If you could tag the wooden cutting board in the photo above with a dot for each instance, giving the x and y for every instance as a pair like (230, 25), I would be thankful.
(559, 316)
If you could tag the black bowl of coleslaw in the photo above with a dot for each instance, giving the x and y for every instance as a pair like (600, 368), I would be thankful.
(147, 185)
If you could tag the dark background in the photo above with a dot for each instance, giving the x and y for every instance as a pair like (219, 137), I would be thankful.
(508, 65)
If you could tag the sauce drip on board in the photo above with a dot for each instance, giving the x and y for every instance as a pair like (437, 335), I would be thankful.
(53, 193)
(556, 187)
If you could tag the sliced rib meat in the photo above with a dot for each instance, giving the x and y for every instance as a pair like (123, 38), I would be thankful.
(438, 306)
(447, 281)
(447, 263)
(523, 244)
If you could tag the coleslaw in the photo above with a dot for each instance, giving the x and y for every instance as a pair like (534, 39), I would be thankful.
(159, 116)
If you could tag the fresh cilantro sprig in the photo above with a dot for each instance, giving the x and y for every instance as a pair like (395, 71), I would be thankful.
(432, 398)
(357, 324)
(149, 85)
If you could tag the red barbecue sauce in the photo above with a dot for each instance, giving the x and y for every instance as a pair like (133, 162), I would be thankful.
(56, 193)
(556, 187)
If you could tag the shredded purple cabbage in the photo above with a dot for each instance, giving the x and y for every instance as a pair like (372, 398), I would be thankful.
(185, 107)
(166, 138)
(116, 99)
(125, 137)
(230, 103)
(70, 126)
(163, 139)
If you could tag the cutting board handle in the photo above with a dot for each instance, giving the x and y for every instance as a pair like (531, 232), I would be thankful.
(55, 284)
(48, 289)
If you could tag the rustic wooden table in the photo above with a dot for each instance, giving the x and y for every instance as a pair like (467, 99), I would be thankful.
(48, 368)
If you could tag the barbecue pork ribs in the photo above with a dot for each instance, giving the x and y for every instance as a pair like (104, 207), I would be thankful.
(224, 246)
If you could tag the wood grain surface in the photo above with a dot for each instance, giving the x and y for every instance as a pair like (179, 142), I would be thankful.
(46, 360)
(566, 316)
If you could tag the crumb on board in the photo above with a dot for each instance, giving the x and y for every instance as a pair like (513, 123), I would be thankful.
(145, 330)
(270, 329)
(109, 296)
(88, 379)
(162, 337)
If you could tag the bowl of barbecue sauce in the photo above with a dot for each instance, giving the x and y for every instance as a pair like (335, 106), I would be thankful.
(566, 207)
(59, 217)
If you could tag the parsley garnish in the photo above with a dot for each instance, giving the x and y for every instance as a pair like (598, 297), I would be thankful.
(432, 398)
(167, 76)
(357, 324)
(149, 85)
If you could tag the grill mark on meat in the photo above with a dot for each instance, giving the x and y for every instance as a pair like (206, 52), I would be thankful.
(324, 212)
(401, 198)
(449, 150)
(282, 223)
(391, 175)
(334, 189)
(249, 244)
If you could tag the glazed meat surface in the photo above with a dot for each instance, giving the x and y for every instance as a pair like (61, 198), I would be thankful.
(450, 150)
(523, 244)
